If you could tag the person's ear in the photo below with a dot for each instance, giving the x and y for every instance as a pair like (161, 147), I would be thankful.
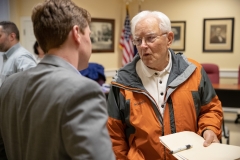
(170, 37)
(12, 36)
(76, 33)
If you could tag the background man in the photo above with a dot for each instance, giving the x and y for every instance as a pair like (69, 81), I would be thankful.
(51, 112)
(15, 58)
(38, 52)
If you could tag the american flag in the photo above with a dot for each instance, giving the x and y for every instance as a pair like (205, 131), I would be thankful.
(126, 42)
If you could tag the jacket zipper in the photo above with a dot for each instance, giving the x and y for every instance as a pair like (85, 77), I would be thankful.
(155, 105)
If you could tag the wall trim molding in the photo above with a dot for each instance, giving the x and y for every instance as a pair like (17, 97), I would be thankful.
(228, 73)
(224, 73)
(110, 72)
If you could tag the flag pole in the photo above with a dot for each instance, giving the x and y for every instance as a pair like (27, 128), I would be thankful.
(128, 1)
(140, 5)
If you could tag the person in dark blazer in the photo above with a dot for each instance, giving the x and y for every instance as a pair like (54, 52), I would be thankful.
(38, 52)
(218, 38)
(51, 112)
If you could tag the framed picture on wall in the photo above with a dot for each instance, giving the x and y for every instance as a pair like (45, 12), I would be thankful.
(102, 35)
(218, 35)
(179, 30)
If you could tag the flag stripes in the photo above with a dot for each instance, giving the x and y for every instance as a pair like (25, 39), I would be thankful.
(126, 42)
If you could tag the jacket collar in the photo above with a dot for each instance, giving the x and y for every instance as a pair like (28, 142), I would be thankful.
(58, 62)
(11, 50)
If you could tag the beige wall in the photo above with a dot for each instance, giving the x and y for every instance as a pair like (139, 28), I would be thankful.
(191, 11)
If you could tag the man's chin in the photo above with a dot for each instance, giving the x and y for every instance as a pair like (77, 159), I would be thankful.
(148, 63)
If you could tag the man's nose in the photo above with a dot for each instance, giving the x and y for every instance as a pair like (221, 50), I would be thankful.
(143, 43)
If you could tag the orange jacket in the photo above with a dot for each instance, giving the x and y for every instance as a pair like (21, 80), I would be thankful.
(135, 122)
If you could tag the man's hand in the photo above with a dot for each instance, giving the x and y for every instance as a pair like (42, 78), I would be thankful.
(210, 137)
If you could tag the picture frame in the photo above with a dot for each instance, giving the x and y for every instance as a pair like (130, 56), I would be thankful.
(102, 35)
(179, 30)
(218, 34)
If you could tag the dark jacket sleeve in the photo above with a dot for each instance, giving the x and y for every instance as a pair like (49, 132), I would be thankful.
(211, 113)
(3, 155)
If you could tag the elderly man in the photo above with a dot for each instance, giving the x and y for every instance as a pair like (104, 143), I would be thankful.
(159, 93)
(51, 112)
(15, 58)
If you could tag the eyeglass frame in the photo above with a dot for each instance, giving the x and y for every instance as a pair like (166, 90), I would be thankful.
(151, 40)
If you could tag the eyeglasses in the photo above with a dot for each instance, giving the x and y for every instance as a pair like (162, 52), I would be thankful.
(148, 39)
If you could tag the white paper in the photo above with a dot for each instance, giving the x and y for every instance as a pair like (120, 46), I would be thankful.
(215, 151)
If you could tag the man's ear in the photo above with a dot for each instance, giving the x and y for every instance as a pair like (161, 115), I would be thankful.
(170, 38)
(12, 36)
(76, 33)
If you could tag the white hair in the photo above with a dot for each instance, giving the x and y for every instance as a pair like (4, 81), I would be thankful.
(164, 21)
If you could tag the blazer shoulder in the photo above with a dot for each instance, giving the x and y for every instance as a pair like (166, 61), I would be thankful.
(77, 80)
